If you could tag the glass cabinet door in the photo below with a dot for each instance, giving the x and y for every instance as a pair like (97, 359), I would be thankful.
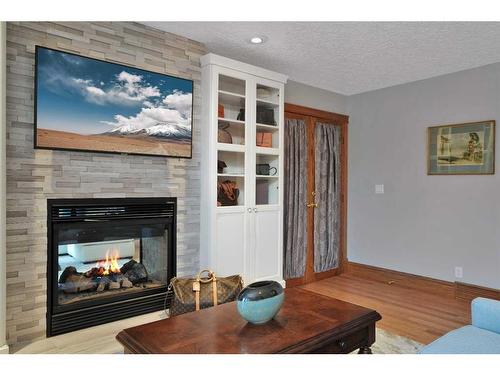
(231, 140)
(267, 138)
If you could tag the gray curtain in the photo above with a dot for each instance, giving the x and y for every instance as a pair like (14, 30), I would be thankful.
(295, 198)
(327, 181)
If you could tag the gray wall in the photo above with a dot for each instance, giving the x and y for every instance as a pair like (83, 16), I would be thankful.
(424, 225)
(35, 175)
(313, 97)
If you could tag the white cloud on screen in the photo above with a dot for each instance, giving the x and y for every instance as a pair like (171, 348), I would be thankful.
(180, 101)
(128, 90)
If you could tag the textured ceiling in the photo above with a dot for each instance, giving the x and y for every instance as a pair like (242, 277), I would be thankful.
(351, 57)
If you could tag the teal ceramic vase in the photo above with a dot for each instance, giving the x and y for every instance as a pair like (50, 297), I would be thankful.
(259, 302)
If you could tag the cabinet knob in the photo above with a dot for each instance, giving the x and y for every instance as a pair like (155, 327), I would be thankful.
(250, 210)
(255, 210)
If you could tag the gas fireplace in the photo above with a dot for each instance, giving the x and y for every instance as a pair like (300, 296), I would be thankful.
(108, 259)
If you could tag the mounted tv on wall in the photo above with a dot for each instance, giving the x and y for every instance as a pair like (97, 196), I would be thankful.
(92, 105)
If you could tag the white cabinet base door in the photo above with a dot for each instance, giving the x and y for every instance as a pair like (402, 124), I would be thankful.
(230, 244)
(268, 261)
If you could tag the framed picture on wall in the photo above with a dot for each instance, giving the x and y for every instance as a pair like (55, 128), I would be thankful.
(461, 149)
(87, 104)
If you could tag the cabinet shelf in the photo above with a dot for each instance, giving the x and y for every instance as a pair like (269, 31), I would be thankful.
(226, 97)
(229, 93)
(230, 121)
(230, 147)
(262, 176)
(267, 127)
(267, 103)
(234, 175)
(267, 151)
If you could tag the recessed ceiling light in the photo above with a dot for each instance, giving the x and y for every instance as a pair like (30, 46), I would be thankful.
(257, 40)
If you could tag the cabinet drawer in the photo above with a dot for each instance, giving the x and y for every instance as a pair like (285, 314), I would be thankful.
(345, 344)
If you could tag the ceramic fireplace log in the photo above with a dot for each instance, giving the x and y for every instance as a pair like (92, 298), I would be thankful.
(131, 274)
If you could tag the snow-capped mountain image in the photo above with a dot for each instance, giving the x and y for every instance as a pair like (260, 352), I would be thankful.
(160, 130)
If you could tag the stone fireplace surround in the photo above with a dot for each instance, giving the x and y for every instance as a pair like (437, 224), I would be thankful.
(33, 176)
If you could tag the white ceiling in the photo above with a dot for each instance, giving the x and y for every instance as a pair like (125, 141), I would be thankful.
(351, 57)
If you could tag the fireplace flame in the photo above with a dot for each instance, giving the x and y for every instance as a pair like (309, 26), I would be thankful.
(110, 265)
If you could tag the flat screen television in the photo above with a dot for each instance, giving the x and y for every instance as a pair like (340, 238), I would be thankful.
(87, 104)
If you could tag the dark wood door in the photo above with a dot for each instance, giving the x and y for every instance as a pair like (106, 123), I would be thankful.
(311, 116)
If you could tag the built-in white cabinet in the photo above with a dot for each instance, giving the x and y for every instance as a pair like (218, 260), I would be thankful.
(242, 134)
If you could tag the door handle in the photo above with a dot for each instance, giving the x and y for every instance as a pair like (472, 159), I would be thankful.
(313, 204)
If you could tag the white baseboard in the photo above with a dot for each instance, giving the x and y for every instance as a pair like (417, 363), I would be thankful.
(4, 349)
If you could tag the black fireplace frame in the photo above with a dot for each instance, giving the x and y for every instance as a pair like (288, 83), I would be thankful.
(89, 212)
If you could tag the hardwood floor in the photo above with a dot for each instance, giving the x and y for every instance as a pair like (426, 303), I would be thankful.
(418, 309)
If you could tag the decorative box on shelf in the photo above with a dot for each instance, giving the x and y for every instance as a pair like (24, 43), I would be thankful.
(264, 139)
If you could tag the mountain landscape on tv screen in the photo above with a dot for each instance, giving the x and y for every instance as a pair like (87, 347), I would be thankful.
(88, 104)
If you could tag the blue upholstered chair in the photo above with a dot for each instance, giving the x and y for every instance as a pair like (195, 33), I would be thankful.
(482, 337)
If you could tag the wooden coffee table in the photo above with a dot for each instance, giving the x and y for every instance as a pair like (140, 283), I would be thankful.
(307, 323)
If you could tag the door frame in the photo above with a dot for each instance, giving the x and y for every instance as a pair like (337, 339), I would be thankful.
(313, 115)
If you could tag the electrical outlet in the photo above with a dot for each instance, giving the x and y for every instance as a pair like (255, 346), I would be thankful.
(379, 189)
(459, 272)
